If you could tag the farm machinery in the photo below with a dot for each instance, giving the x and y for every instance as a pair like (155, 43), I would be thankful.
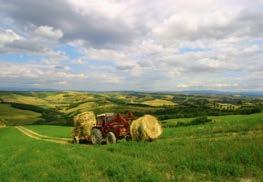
(108, 128)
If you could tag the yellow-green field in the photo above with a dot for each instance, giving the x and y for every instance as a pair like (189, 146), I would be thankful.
(60, 107)
(15, 98)
(13, 116)
(159, 102)
(229, 148)
(225, 148)
(222, 106)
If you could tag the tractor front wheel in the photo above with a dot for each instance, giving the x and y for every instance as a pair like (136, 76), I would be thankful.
(76, 140)
(96, 136)
(110, 138)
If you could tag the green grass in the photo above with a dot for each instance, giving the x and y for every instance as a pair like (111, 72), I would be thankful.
(13, 116)
(228, 149)
(53, 131)
(25, 159)
(219, 124)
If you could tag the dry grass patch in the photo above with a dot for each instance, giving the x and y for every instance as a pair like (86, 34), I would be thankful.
(159, 102)
(22, 99)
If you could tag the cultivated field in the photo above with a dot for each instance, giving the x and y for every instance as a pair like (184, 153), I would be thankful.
(219, 148)
(59, 107)
(229, 148)
(14, 116)
(158, 102)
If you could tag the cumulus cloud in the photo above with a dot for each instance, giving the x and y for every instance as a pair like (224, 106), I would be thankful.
(36, 71)
(216, 22)
(136, 45)
(36, 75)
(7, 36)
(48, 32)
(10, 41)
(77, 19)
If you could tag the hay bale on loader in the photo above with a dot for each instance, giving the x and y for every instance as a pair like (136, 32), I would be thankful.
(144, 128)
(83, 124)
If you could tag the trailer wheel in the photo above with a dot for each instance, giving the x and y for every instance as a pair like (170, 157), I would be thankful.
(110, 138)
(96, 136)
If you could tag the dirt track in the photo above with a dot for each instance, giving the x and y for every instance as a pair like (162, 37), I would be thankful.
(37, 136)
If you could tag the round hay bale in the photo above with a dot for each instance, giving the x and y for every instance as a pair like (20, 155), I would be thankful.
(146, 127)
(83, 124)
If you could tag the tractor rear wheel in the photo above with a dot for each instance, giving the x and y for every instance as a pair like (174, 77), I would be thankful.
(128, 138)
(96, 136)
(110, 138)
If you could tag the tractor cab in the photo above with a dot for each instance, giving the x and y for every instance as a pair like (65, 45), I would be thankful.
(111, 126)
(102, 119)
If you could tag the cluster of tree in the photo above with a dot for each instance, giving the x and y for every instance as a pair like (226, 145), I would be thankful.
(230, 100)
(190, 110)
(249, 110)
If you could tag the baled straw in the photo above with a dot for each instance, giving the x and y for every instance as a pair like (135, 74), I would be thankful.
(83, 124)
(145, 128)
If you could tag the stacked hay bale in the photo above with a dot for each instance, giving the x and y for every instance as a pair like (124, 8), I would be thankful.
(83, 124)
(146, 127)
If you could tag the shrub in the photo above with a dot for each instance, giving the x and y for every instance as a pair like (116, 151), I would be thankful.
(196, 121)
(249, 110)
(200, 120)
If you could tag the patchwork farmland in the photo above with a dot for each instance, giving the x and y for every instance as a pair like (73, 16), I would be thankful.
(225, 146)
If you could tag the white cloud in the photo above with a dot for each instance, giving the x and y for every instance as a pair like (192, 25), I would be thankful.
(48, 32)
(7, 36)
(224, 22)
(134, 44)
(120, 58)
(37, 71)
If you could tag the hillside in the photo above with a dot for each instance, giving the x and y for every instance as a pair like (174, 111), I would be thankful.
(59, 107)
(14, 116)
(229, 148)
(158, 102)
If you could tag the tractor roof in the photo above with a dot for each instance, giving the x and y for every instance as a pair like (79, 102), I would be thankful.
(106, 114)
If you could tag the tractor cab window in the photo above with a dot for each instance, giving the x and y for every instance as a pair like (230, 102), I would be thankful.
(109, 119)
(100, 120)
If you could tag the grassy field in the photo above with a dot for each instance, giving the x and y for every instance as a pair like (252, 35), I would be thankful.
(14, 116)
(226, 148)
(158, 102)
(25, 99)
(53, 131)
(59, 107)
(229, 148)
(236, 121)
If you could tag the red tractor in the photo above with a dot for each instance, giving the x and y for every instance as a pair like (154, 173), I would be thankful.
(111, 127)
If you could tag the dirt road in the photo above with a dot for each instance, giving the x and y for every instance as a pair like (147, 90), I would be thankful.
(38, 136)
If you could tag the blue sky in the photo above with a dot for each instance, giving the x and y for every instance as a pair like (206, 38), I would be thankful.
(132, 45)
